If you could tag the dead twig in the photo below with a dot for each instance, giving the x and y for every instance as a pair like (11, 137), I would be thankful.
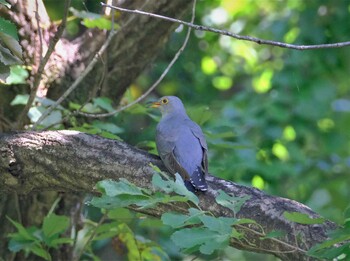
(233, 35)
(155, 84)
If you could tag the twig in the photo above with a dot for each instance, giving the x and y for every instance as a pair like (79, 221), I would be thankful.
(81, 77)
(81, 251)
(42, 64)
(155, 84)
(233, 35)
(37, 18)
(295, 248)
(77, 81)
(6, 122)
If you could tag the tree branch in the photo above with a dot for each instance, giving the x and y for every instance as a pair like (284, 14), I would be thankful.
(77, 81)
(72, 161)
(43, 62)
(233, 35)
(154, 85)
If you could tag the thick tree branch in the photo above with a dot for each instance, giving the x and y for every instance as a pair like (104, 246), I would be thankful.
(233, 35)
(71, 161)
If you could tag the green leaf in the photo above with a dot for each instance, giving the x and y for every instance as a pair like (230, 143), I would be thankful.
(18, 75)
(170, 186)
(128, 238)
(347, 217)
(180, 189)
(104, 102)
(20, 99)
(329, 253)
(54, 224)
(121, 214)
(207, 240)
(154, 253)
(60, 241)
(109, 135)
(113, 188)
(8, 28)
(222, 225)
(244, 221)
(110, 127)
(231, 202)
(221, 135)
(84, 14)
(200, 114)
(100, 23)
(161, 184)
(17, 243)
(179, 220)
(336, 236)
(13, 45)
(92, 20)
(7, 58)
(90, 108)
(116, 202)
(107, 230)
(302, 218)
(138, 109)
(22, 231)
(40, 251)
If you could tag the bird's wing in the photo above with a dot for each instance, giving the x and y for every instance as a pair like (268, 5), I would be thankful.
(197, 132)
(174, 166)
(166, 147)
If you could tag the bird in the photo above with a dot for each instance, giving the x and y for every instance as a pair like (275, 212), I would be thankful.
(181, 144)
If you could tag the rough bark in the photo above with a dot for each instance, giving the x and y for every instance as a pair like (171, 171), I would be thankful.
(135, 46)
(138, 42)
(70, 162)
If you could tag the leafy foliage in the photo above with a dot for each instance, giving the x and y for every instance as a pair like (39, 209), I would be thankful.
(39, 240)
(338, 246)
(10, 49)
(274, 118)
(93, 20)
(209, 233)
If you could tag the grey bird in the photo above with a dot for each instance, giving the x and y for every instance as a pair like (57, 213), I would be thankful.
(181, 144)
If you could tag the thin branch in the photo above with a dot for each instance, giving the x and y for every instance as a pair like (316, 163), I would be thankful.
(43, 62)
(37, 18)
(81, 77)
(91, 237)
(261, 235)
(155, 84)
(77, 81)
(6, 122)
(233, 35)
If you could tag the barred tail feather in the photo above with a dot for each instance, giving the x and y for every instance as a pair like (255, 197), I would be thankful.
(197, 180)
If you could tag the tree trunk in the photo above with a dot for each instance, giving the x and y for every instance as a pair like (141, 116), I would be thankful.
(47, 161)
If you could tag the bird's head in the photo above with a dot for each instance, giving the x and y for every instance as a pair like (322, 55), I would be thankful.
(169, 104)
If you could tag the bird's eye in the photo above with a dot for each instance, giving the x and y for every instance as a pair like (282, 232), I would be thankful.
(165, 101)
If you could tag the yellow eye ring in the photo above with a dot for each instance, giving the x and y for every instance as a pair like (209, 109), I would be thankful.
(165, 101)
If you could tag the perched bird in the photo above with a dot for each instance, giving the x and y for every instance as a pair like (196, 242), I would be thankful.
(181, 144)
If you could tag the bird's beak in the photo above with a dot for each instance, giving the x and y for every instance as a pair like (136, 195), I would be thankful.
(155, 104)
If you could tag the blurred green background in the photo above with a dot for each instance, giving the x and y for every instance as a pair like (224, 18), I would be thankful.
(277, 119)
